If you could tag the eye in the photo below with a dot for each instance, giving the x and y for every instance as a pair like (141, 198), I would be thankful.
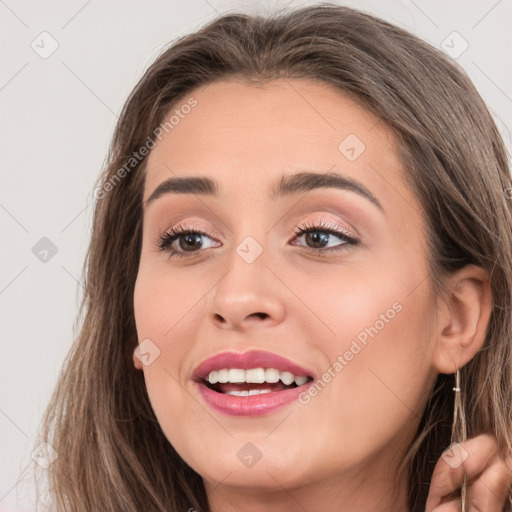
(189, 241)
(318, 235)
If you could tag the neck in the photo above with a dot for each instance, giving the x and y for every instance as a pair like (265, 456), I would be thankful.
(372, 490)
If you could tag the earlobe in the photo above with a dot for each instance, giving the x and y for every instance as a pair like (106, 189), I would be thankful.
(136, 361)
(464, 313)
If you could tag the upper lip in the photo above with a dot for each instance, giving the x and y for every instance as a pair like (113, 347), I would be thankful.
(247, 360)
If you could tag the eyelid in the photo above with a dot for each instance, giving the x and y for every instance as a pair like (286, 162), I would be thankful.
(327, 223)
(324, 222)
(194, 226)
(351, 240)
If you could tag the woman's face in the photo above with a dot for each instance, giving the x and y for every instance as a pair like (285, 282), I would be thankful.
(350, 310)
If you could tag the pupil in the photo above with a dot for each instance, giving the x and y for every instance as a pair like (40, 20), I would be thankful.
(193, 239)
(318, 236)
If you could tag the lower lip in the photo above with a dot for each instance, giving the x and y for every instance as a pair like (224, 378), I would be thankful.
(252, 405)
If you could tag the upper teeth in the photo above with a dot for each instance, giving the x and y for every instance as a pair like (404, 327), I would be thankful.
(255, 375)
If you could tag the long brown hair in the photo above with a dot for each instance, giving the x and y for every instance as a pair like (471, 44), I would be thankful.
(112, 453)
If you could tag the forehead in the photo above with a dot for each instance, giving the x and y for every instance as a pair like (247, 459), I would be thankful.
(246, 136)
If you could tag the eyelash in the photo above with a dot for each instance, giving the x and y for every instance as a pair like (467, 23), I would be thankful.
(165, 240)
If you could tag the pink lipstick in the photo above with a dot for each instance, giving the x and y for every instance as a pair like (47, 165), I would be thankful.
(251, 383)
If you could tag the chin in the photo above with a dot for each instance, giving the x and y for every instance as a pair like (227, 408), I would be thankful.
(252, 468)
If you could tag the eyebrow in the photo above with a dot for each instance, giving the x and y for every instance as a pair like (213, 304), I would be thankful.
(285, 186)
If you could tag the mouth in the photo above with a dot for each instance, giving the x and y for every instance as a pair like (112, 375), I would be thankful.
(253, 381)
(250, 383)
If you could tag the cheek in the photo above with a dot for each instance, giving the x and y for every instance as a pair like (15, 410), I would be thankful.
(375, 337)
(164, 303)
(169, 307)
(366, 301)
(164, 313)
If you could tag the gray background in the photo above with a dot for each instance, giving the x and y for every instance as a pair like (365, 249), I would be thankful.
(57, 117)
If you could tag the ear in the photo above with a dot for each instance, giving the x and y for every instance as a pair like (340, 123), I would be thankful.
(463, 316)
(136, 361)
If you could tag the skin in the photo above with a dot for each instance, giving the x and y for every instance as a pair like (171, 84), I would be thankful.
(488, 475)
(315, 302)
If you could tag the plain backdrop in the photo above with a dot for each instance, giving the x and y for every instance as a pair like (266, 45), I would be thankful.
(66, 70)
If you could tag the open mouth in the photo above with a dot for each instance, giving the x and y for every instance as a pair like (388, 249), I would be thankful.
(254, 381)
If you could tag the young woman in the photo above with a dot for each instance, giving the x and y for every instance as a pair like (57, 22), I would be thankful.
(302, 235)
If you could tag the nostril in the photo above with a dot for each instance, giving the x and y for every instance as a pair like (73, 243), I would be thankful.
(221, 319)
(260, 315)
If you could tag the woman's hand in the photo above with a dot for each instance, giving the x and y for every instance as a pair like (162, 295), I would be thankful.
(488, 478)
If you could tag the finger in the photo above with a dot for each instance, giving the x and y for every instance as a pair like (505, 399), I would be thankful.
(451, 506)
(489, 491)
(470, 458)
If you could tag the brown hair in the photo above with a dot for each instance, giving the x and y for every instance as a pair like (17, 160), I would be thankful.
(112, 453)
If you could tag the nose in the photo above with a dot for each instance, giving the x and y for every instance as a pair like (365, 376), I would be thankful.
(248, 296)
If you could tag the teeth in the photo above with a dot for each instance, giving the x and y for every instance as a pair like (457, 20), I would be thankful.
(300, 380)
(272, 375)
(258, 391)
(287, 378)
(236, 375)
(254, 376)
(248, 393)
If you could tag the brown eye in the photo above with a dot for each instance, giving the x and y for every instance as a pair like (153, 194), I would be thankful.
(318, 237)
(188, 241)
